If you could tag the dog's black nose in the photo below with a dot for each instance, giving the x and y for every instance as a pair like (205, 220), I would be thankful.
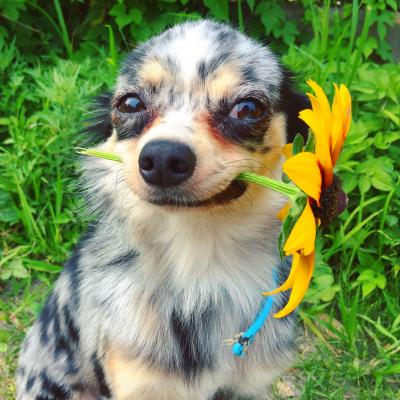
(165, 164)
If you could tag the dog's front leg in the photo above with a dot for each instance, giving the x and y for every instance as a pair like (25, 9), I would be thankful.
(132, 379)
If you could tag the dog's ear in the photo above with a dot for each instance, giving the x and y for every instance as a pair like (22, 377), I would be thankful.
(99, 125)
(291, 103)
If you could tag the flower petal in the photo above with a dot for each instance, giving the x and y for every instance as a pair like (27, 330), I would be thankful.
(341, 116)
(346, 101)
(320, 121)
(320, 105)
(337, 125)
(323, 102)
(314, 103)
(304, 171)
(287, 150)
(288, 284)
(322, 141)
(284, 211)
(302, 236)
(304, 271)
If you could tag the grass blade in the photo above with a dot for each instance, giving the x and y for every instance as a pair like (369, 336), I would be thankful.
(65, 37)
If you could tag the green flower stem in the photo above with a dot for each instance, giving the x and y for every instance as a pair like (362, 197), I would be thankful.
(99, 154)
(290, 191)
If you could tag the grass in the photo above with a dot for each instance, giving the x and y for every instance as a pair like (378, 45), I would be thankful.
(351, 319)
(326, 370)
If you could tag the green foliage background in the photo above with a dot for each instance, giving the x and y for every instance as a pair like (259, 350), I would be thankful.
(56, 55)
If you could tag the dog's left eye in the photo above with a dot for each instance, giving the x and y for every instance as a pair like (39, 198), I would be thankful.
(131, 104)
(248, 109)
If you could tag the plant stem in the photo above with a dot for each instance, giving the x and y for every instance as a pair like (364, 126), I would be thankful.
(99, 154)
(240, 15)
(368, 20)
(113, 59)
(63, 28)
(289, 190)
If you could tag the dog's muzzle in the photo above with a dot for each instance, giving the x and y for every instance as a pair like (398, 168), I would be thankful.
(164, 165)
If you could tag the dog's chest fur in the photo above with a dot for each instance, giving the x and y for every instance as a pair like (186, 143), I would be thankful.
(186, 285)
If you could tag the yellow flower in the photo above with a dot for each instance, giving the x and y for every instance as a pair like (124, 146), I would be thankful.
(313, 173)
(329, 127)
(298, 280)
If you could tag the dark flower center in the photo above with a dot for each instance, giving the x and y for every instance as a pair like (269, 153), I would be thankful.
(333, 201)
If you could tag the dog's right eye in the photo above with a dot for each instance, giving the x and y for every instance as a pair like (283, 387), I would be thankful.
(247, 110)
(131, 104)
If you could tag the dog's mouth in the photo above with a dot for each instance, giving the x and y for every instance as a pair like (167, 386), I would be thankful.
(232, 192)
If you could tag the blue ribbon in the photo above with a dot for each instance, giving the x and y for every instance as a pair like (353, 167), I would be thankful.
(248, 336)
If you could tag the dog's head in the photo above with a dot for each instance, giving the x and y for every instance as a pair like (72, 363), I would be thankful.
(193, 108)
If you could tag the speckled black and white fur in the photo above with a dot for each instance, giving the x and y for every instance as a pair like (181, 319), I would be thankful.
(162, 277)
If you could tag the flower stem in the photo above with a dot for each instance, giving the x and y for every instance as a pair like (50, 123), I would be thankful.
(290, 191)
(99, 154)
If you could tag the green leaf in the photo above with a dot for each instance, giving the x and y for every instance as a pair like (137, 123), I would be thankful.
(396, 322)
(6, 274)
(349, 181)
(393, 4)
(133, 16)
(218, 8)
(251, 4)
(310, 143)
(365, 259)
(290, 32)
(298, 144)
(369, 46)
(42, 266)
(367, 288)
(4, 121)
(18, 270)
(381, 281)
(136, 16)
(289, 222)
(391, 370)
(8, 212)
(285, 178)
(117, 10)
(329, 293)
(364, 184)
(150, 28)
(383, 141)
(10, 8)
(392, 117)
(381, 180)
(123, 18)
(272, 17)
(301, 202)
(286, 228)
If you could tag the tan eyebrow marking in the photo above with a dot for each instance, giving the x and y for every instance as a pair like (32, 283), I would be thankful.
(224, 81)
(153, 72)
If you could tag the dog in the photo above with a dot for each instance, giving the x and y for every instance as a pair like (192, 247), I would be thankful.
(179, 251)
